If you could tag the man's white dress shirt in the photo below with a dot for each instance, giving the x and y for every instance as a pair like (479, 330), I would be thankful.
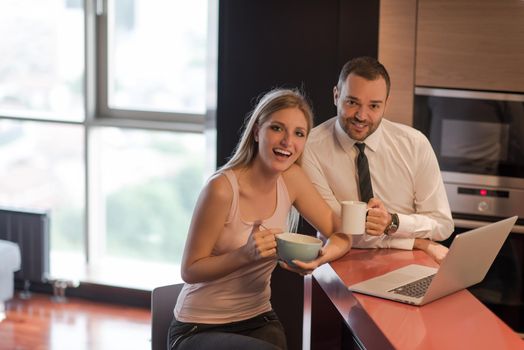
(404, 173)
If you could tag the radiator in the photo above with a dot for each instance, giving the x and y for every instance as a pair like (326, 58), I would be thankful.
(30, 230)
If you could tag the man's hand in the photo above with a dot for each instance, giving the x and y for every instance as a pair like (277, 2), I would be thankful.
(436, 250)
(378, 218)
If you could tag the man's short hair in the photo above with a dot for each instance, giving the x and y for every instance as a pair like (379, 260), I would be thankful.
(366, 67)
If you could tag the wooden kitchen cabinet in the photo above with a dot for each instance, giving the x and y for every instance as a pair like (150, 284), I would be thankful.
(470, 44)
(396, 50)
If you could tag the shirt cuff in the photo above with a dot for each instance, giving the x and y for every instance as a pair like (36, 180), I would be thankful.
(401, 243)
(406, 223)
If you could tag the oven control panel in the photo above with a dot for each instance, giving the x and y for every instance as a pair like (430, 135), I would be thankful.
(476, 200)
(482, 192)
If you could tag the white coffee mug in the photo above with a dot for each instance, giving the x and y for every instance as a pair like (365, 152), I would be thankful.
(354, 217)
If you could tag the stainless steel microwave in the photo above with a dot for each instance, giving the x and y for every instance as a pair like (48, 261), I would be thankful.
(478, 138)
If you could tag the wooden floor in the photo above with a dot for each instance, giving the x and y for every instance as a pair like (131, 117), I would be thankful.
(41, 324)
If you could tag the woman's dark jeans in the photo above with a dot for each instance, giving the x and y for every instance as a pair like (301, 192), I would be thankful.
(263, 332)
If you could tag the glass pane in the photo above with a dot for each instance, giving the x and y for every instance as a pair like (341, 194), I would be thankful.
(41, 167)
(42, 60)
(157, 55)
(147, 183)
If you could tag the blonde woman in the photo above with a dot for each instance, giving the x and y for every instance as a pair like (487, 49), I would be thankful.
(230, 252)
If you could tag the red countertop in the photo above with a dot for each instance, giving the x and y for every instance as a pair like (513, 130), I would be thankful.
(457, 321)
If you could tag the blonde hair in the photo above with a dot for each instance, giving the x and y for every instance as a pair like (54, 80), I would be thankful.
(271, 102)
(247, 148)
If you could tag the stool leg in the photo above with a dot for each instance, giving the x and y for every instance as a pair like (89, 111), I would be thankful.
(26, 293)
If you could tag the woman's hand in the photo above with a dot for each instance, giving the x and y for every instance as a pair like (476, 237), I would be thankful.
(336, 246)
(304, 268)
(261, 244)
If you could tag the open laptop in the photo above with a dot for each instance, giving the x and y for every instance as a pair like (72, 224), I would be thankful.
(466, 263)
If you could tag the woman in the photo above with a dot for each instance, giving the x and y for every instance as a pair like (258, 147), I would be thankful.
(231, 248)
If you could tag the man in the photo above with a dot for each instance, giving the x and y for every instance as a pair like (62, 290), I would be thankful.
(408, 204)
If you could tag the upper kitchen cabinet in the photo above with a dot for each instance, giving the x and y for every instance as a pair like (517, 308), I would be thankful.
(470, 44)
(396, 50)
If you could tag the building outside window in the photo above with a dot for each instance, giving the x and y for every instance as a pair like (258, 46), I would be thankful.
(103, 114)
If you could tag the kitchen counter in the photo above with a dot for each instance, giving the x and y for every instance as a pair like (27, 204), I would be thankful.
(457, 321)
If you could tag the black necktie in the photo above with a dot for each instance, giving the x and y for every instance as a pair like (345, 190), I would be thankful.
(364, 178)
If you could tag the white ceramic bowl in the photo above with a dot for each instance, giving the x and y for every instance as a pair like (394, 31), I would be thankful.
(296, 246)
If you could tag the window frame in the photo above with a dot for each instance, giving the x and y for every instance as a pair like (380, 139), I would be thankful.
(98, 113)
(101, 114)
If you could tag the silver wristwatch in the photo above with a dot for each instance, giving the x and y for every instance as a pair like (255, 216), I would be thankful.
(393, 227)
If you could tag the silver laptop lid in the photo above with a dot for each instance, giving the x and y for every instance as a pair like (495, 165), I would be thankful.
(469, 258)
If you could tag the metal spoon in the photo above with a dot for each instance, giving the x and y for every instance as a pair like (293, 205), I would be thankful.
(259, 223)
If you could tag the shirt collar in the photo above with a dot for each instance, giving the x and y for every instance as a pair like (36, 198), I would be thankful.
(372, 141)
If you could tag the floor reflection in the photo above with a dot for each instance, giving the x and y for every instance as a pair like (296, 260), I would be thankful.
(41, 324)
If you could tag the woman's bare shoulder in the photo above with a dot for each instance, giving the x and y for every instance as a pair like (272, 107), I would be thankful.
(218, 188)
(295, 179)
(294, 173)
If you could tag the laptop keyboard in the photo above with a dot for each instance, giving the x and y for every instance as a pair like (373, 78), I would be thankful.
(415, 289)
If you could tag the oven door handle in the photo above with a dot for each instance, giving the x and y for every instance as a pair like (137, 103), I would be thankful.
(476, 223)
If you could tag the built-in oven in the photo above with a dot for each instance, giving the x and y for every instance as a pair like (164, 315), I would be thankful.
(478, 138)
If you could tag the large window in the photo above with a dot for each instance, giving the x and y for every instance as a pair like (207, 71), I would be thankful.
(149, 41)
(41, 167)
(102, 118)
(42, 60)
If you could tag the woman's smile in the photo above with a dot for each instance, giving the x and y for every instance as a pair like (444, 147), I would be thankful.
(279, 152)
(282, 138)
